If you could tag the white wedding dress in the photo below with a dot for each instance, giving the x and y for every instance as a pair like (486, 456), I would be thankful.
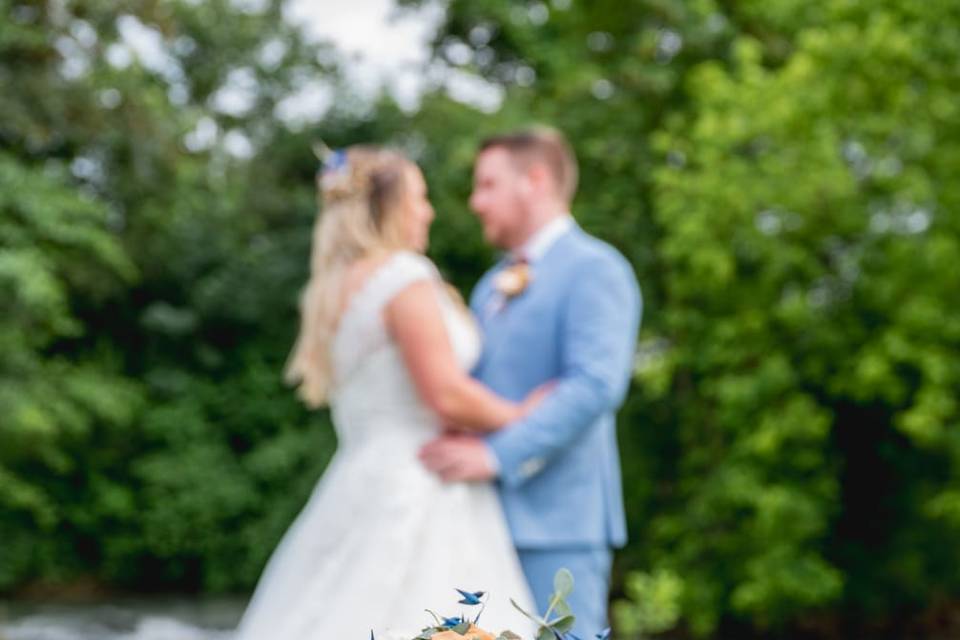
(381, 539)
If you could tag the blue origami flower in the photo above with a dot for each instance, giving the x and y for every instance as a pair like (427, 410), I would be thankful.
(470, 598)
(452, 622)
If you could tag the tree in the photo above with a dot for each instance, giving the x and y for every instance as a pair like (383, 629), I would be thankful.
(808, 230)
(155, 221)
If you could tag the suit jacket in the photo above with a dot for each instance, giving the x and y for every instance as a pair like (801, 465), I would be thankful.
(576, 323)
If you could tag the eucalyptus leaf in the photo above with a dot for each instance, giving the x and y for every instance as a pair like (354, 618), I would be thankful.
(540, 621)
(545, 633)
(563, 624)
(562, 609)
(562, 583)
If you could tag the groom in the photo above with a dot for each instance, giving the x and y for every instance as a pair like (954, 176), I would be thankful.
(562, 307)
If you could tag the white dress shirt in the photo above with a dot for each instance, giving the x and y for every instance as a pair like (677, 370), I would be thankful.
(540, 242)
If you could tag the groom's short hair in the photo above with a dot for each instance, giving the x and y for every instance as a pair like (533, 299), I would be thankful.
(541, 144)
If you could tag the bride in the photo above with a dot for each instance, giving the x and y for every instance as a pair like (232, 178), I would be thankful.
(384, 342)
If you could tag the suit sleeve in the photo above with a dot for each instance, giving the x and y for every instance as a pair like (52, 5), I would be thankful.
(598, 341)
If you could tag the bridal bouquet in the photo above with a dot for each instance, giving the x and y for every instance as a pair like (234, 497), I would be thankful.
(554, 625)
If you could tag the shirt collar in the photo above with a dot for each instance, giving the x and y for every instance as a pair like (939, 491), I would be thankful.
(541, 241)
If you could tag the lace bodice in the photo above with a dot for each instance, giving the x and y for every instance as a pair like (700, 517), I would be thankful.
(370, 378)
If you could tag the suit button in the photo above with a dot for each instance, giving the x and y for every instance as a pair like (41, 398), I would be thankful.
(531, 467)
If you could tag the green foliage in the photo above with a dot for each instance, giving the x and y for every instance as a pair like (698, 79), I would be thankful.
(780, 173)
(558, 619)
(803, 228)
(149, 279)
(654, 603)
(55, 246)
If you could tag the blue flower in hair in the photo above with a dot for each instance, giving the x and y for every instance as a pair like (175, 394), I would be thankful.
(335, 161)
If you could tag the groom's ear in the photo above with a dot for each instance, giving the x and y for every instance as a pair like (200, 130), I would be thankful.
(538, 179)
(526, 185)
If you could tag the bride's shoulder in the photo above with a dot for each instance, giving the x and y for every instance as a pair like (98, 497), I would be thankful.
(401, 269)
(412, 262)
(389, 267)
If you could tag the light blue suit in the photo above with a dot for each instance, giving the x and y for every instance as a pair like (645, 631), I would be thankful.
(559, 477)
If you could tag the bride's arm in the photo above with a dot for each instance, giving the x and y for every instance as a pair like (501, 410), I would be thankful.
(414, 320)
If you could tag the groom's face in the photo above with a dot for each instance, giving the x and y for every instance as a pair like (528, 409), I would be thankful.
(496, 197)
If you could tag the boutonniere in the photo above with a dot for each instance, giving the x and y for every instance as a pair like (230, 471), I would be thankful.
(513, 280)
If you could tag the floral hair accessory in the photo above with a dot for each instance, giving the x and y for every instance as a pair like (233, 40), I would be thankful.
(335, 161)
(334, 166)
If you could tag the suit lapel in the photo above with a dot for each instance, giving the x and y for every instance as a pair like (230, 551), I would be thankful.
(494, 321)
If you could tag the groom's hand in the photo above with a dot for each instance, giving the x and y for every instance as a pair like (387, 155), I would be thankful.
(458, 458)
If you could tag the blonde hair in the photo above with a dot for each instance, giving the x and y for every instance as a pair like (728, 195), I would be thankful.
(360, 193)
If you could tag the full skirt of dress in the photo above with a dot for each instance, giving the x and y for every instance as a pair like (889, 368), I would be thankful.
(381, 540)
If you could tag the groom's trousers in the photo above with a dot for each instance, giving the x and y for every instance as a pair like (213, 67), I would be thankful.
(591, 583)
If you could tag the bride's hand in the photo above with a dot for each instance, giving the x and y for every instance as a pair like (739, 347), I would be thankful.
(451, 429)
(535, 397)
(515, 412)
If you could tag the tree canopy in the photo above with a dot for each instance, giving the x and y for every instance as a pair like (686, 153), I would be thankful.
(779, 173)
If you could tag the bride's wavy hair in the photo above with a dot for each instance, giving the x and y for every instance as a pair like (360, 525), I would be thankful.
(361, 190)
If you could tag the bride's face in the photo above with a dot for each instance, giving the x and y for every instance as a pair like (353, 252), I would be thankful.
(417, 212)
